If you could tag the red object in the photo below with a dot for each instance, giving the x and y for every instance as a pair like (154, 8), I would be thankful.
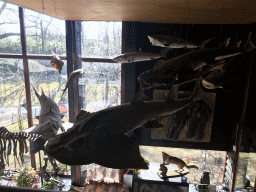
(63, 109)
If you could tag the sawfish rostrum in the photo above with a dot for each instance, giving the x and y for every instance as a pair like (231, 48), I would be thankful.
(101, 136)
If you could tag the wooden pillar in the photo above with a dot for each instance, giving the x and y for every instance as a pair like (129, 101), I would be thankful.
(26, 78)
(74, 50)
(240, 133)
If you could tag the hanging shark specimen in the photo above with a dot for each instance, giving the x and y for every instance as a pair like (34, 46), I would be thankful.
(138, 56)
(174, 42)
(217, 79)
(72, 75)
(57, 63)
(165, 72)
(101, 136)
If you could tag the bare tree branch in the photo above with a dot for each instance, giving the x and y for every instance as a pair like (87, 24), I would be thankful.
(15, 22)
(3, 7)
(2, 36)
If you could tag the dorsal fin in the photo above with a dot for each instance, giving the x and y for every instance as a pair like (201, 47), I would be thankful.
(81, 116)
(139, 97)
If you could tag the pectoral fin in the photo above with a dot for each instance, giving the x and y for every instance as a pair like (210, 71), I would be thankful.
(38, 144)
(153, 124)
(81, 116)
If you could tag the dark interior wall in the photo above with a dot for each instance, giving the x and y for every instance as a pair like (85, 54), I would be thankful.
(228, 104)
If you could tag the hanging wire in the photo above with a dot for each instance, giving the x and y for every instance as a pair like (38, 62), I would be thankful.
(179, 39)
(43, 5)
(220, 34)
(55, 7)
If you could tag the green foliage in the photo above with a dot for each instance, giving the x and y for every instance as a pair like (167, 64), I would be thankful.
(26, 178)
(47, 185)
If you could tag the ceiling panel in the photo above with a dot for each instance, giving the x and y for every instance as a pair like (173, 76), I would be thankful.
(160, 11)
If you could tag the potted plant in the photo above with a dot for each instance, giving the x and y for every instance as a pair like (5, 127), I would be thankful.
(26, 178)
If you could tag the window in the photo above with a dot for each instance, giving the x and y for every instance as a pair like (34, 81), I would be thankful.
(9, 29)
(100, 84)
(44, 34)
(209, 160)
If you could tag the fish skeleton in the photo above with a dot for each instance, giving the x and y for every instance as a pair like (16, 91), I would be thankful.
(101, 138)
(174, 42)
(136, 56)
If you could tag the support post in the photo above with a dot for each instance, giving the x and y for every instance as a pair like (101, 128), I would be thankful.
(26, 78)
(74, 51)
(239, 133)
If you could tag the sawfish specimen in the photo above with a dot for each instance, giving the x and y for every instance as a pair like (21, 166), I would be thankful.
(49, 113)
(49, 124)
(138, 56)
(174, 42)
(101, 137)
(167, 159)
(57, 63)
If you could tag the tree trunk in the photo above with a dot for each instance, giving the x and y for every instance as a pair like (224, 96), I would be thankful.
(42, 34)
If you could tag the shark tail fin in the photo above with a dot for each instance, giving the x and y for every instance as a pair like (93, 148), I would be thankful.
(206, 41)
(198, 90)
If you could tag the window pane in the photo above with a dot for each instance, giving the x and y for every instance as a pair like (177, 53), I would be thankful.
(13, 108)
(209, 160)
(43, 75)
(44, 34)
(100, 86)
(101, 39)
(246, 170)
(9, 29)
